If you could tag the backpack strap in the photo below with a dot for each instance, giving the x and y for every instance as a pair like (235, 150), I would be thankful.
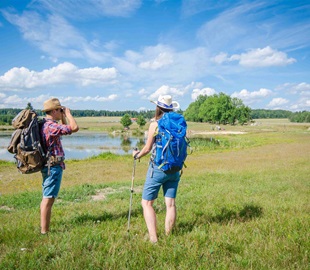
(48, 154)
(153, 151)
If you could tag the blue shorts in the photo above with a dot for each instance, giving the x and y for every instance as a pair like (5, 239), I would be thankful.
(51, 183)
(156, 178)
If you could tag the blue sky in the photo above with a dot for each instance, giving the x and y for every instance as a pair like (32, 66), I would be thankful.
(119, 54)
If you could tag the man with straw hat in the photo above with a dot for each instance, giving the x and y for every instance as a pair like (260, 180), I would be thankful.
(51, 132)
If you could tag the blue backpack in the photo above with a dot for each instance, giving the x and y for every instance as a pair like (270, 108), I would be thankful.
(171, 142)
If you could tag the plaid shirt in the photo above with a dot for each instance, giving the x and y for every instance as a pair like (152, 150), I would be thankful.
(52, 132)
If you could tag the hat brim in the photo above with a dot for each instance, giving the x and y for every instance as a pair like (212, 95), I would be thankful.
(174, 105)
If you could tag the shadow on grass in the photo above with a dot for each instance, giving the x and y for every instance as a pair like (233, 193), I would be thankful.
(226, 216)
(106, 216)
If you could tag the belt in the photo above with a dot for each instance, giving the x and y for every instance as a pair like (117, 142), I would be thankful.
(53, 161)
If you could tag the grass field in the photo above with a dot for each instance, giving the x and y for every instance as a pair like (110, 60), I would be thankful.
(243, 203)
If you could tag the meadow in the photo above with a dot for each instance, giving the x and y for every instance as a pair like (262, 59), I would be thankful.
(243, 203)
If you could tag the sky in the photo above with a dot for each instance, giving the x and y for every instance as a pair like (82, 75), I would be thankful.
(120, 54)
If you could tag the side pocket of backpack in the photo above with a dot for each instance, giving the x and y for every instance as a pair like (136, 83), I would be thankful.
(15, 140)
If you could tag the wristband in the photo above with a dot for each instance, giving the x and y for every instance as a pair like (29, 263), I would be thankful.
(136, 155)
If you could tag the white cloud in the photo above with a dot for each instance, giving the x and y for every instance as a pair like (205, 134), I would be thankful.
(110, 45)
(302, 89)
(166, 90)
(54, 36)
(12, 101)
(230, 27)
(250, 24)
(202, 92)
(152, 57)
(142, 109)
(163, 59)
(263, 58)
(256, 58)
(220, 58)
(193, 85)
(300, 105)
(251, 97)
(142, 91)
(190, 7)
(74, 99)
(96, 75)
(65, 73)
(186, 66)
(276, 102)
(39, 99)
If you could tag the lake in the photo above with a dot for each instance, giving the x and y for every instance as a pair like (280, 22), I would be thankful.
(82, 145)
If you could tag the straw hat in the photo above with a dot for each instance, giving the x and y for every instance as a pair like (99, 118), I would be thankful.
(166, 102)
(51, 104)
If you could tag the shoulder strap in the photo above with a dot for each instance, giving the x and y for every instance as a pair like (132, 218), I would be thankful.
(52, 141)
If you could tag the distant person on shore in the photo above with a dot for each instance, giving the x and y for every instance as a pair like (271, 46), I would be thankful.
(51, 132)
(156, 177)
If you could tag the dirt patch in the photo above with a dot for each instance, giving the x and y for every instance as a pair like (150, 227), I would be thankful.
(101, 194)
(6, 208)
(98, 197)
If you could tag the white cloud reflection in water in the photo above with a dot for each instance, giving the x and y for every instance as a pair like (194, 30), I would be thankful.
(82, 145)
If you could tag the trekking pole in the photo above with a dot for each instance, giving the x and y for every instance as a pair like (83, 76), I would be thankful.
(131, 191)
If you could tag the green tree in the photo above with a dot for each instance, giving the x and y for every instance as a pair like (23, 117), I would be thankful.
(218, 109)
(191, 114)
(141, 121)
(244, 114)
(29, 106)
(208, 110)
(126, 121)
(226, 108)
(300, 117)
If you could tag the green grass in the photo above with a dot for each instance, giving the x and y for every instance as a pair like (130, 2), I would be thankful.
(5, 163)
(242, 204)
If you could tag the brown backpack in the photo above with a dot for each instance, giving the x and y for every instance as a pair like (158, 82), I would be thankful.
(26, 142)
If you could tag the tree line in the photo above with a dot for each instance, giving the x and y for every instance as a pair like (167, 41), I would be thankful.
(218, 108)
(261, 113)
(8, 114)
(295, 117)
(300, 117)
(83, 113)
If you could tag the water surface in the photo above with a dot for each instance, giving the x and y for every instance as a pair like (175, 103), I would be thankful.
(82, 145)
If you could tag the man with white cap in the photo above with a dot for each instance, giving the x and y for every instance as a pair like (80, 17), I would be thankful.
(156, 178)
(52, 173)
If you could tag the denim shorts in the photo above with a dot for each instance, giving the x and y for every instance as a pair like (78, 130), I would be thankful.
(156, 178)
(51, 183)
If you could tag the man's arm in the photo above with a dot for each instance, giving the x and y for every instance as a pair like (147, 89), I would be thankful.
(72, 122)
(63, 118)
